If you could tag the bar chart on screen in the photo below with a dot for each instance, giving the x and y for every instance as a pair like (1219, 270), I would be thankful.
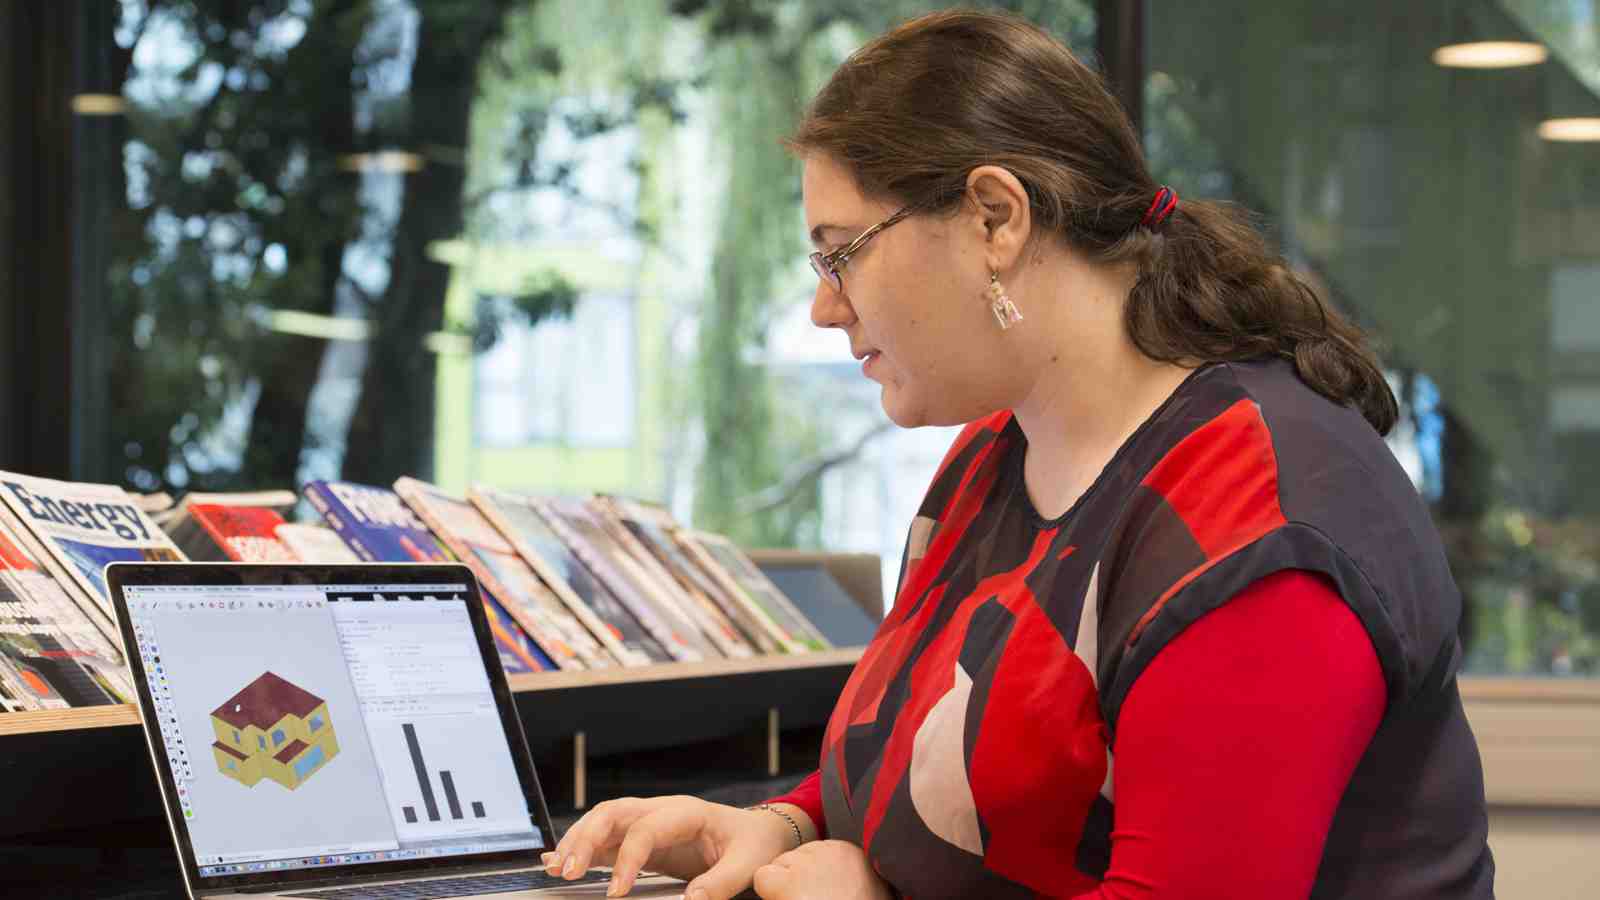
(425, 785)
(448, 775)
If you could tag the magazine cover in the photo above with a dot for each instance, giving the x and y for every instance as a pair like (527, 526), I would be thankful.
(580, 530)
(193, 539)
(723, 560)
(51, 655)
(652, 527)
(239, 533)
(504, 574)
(378, 527)
(730, 641)
(82, 527)
(315, 544)
(553, 561)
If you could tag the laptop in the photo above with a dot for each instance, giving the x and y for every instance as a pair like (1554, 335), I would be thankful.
(336, 732)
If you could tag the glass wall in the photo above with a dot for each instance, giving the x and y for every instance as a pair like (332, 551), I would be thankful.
(555, 245)
(551, 245)
(1447, 193)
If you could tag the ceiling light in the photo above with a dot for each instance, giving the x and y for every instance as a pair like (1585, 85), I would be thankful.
(1581, 128)
(1491, 55)
(99, 104)
(388, 161)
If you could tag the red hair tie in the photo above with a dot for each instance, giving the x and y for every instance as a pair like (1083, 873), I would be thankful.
(1160, 208)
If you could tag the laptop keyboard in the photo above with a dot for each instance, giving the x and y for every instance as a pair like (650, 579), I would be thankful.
(467, 886)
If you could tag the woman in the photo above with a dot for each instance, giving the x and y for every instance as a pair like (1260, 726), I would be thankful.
(1171, 621)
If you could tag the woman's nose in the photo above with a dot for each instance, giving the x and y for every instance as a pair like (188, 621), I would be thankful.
(831, 308)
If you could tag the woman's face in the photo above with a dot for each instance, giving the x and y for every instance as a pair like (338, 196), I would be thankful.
(913, 303)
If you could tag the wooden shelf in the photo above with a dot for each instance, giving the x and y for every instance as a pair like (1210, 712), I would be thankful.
(45, 721)
(1542, 690)
(1538, 738)
(48, 720)
(552, 681)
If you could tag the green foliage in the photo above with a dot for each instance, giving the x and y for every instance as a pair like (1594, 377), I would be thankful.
(244, 204)
(545, 295)
(757, 236)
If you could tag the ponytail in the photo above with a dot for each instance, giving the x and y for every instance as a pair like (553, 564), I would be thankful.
(1210, 289)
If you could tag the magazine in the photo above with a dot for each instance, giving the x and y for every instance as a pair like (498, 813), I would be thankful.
(81, 527)
(172, 517)
(195, 540)
(652, 527)
(505, 575)
(315, 544)
(582, 531)
(238, 533)
(554, 562)
(51, 655)
(378, 527)
(724, 561)
(684, 594)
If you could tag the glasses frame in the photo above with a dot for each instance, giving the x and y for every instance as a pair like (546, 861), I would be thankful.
(830, 266)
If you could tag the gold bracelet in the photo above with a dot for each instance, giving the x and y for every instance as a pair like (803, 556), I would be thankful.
(798, 838)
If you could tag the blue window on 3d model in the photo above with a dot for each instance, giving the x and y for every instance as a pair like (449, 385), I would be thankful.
(308, 762)
(315, 723)
(277, 738)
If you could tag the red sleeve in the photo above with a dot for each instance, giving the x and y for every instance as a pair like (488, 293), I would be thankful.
(808, 796)
(1235, 745)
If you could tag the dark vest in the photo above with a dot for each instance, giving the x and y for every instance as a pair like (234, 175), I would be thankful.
(1412, 823)
(1244, 472)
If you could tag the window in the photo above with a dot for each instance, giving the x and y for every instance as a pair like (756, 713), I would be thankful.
(1434, 205)
(274, 286)
(309, 761)
(261, 742)
(277, 738)
(236, 736)
(569, 381)
(316, 723)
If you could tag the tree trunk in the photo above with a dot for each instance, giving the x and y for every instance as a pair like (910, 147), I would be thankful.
(391, 433)
(288, 366)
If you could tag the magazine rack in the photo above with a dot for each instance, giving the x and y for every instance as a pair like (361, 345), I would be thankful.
(89, 768)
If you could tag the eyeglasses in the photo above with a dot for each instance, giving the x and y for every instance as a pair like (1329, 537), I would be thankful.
(829, 265)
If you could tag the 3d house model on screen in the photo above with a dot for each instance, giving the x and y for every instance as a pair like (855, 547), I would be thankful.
(273, 729)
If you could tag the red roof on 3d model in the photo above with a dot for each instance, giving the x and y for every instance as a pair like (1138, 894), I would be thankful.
(265, 701)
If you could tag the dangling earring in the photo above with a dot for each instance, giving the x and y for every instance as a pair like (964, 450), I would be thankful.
(1005, 312)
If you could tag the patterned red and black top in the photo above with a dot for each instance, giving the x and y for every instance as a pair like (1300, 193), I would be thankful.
(969, 753)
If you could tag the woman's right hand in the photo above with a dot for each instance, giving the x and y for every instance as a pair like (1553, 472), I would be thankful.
(716, 848)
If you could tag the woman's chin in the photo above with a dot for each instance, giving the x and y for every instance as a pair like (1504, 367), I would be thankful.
(910, 412)
(901, 412)
(887, 397)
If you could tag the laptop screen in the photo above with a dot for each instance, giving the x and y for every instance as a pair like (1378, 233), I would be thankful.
(320, 725)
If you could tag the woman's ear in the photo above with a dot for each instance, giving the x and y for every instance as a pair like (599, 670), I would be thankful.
(1001, 211)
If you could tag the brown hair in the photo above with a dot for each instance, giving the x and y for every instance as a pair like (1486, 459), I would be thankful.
(915, 110)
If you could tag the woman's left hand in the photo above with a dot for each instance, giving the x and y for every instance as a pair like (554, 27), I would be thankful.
(823, 870)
